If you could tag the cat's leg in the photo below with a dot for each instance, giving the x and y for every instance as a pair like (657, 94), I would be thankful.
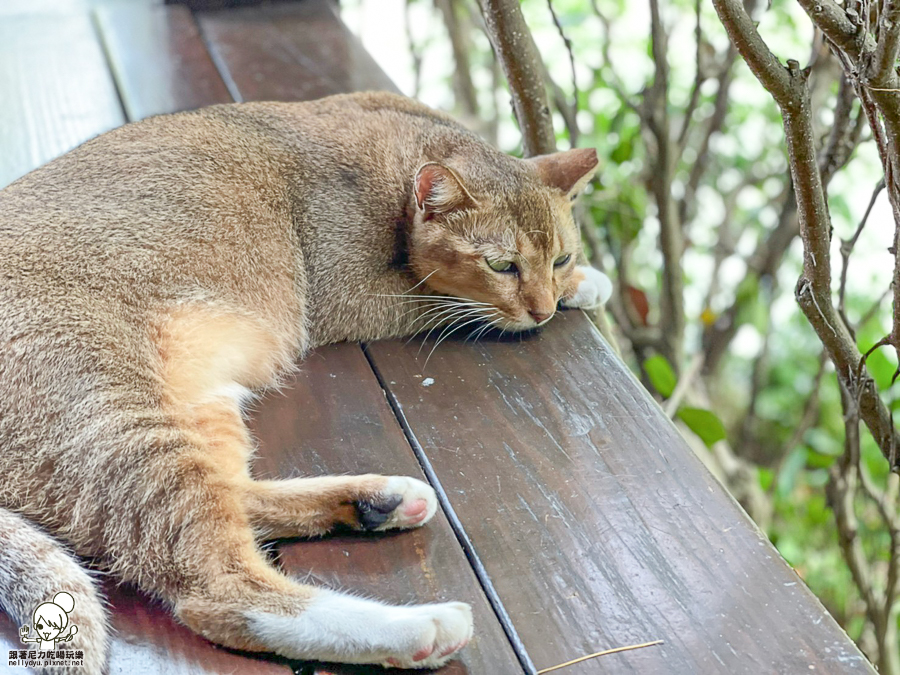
(206, 563)
(303, 507)
(221, 586)
(313, 506)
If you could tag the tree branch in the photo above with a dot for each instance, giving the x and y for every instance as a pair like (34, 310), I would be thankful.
(521, 62)
(762, 62)
(884, 62)
(671, 239)
(813, 292)
(569, 114)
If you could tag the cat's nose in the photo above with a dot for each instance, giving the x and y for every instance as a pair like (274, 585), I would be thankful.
(540, 317)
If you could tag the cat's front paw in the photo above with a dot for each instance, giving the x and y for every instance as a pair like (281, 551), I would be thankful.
(403, 503)
(590, 288)
(439, 631)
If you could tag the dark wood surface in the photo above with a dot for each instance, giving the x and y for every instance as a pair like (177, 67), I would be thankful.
(289, 52)
(597, 524)
(333, 418)
(159, 60)
(585, 516)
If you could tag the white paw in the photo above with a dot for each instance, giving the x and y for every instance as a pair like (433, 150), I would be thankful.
(417, 506)
(593, 291)
(345, 629)
(438, 631)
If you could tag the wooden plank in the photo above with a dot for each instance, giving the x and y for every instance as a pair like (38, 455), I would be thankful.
(160, 63)
(57, 91)
(333, 418)
(148, 640)
(289, 52)
(597, 524)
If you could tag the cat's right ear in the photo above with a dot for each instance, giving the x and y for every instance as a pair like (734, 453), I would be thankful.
(569, 171)
(439, 190)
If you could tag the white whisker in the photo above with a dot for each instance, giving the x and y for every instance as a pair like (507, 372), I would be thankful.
(444, 314)
(438, 297)
(454, 317)
(424, 279)
(447, 333)
(478, 332)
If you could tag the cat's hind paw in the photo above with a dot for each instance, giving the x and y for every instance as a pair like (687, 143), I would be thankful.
(441, 631)
(592, 288)
(335, 627)
(403, 503)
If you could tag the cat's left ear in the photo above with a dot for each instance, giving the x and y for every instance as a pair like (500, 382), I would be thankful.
(569, 171)
(440, 190)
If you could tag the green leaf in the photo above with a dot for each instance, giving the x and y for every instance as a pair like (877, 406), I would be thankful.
(704, 423)
(790, 471)
(661, 375)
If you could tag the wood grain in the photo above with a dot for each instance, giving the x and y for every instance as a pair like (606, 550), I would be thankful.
(289, 52)
(332, 418)
(56, 90)
(159, 60)
(597, 524)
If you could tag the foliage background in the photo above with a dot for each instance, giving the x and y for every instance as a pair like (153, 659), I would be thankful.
(774, 397)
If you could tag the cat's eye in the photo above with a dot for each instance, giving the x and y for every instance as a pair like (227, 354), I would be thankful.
(503, 266)
(562, 260)
(38, 626)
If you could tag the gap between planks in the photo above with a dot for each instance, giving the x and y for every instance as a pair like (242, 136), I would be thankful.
(456, 524)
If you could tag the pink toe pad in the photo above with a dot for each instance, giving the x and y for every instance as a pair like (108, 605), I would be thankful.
(416, 510)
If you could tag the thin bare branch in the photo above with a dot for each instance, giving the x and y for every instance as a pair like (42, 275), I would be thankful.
(847, 246)
(883, 69)
(573, 112)
(699, 77)
(671, 238)
(612, 78)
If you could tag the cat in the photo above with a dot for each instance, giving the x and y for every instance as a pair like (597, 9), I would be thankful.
(154, 278)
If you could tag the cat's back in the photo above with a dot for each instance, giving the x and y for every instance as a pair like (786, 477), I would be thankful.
(208, 201)
(149, 180)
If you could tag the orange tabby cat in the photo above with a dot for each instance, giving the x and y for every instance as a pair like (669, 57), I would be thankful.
(153, 278)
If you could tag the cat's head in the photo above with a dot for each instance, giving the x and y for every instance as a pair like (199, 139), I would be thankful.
(500, 234)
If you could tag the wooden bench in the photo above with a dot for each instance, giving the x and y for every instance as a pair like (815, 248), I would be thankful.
(574, 517)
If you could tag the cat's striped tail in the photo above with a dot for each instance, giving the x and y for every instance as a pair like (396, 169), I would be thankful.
(34, 568)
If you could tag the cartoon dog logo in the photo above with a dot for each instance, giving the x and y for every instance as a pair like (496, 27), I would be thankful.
(49, 621)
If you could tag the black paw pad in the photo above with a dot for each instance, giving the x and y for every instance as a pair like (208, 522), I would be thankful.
(373, 513)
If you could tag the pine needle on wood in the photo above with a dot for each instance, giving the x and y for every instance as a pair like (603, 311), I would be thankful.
(595, 655)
